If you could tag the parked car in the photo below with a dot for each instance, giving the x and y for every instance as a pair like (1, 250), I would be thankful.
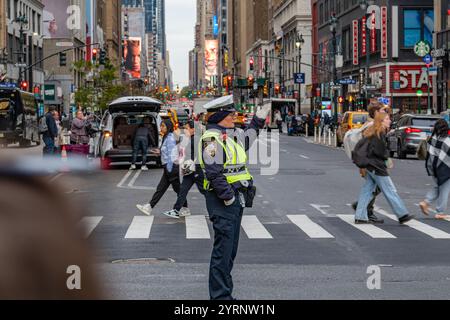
(351, 120)
(119, 124)
(408, 132)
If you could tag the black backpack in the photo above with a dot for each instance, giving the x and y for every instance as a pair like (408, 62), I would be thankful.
(360, 155)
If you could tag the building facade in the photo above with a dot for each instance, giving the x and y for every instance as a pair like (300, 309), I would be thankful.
(441, 56)
(292, 20)
(380, 39)
(28, 40)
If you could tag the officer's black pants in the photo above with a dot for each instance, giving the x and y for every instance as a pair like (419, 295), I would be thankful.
(167, 179)
(226, 224)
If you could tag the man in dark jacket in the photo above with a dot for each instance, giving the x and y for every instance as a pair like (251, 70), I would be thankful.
(141, 139)
(49, 136)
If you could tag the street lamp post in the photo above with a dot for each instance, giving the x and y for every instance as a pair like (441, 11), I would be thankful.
(364, 4)
(299, 43)
(22, 19)
(333, 27)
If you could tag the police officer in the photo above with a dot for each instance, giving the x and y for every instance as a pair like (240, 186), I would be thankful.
(228, 185)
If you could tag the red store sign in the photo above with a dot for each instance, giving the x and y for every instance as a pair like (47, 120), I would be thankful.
(373, 33)
(363, 36)
(411, 77)
(355, 43)
(384, 37)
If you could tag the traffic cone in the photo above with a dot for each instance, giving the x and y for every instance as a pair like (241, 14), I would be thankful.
(64, 167)
(64, 154)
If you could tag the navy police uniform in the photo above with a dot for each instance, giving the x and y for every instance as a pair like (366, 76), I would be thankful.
(227, 180)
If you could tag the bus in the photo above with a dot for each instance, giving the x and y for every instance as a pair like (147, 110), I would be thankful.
(19, 115)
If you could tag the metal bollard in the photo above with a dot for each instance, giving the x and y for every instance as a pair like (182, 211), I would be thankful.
(329, 137)
(306, 130)
(315, 134)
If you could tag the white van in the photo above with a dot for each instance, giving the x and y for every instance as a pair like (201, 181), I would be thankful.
(119, 124)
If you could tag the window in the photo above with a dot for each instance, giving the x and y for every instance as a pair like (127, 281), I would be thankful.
(346, 45)
(338, 7)
(8, 9)
(327, 16)
(418, 24)
(332, 9)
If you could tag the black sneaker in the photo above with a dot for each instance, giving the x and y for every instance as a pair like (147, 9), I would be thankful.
(374, 219)
(406, 218)
(363, 221)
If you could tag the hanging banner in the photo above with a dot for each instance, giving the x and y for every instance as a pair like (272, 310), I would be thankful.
(373, 33)
(364, 36)
(384, 37)
(355, 43)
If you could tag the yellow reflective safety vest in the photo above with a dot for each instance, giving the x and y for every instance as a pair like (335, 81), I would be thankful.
(235, 167)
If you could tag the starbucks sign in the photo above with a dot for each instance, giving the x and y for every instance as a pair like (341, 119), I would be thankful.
(422, 48)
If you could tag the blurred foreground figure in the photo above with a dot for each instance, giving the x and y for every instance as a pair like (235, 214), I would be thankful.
(39, 241)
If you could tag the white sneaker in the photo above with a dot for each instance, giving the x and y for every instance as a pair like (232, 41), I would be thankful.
(185, 212)
(146, 208)
(144, 168)
(133, 167)
(172, 214)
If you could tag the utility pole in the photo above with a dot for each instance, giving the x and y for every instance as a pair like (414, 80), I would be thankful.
(22, 19)
(333, 26)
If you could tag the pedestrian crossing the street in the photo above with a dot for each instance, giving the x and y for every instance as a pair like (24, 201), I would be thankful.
(198, 227)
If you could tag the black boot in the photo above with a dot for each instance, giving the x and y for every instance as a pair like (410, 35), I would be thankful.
(373, 218)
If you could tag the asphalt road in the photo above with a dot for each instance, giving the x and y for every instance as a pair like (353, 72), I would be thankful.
(298, 242)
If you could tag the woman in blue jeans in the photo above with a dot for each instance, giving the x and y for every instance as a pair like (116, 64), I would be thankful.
(377, 173)
(438, 167)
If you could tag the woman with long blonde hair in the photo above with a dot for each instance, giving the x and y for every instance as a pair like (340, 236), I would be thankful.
(377, 173)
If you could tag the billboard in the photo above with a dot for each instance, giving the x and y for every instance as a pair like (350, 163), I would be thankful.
(211, 57)
(132, 56)
(59, 19)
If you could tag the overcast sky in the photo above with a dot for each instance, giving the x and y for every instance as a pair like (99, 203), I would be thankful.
(180, 23)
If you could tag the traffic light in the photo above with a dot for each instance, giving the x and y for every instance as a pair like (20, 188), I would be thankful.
(252, 63)
(24, 85)
(266, 89)
(102, 57)
(341, 99)
(62, 59)
(94, 54)
(250, 80)
(277, 89)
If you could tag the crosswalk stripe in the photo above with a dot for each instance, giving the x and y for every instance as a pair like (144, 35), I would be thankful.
(312, 229)
(197, 228)
(140, 228)
(88, 224)
(419, 226)
(254, 228)
(368, 229)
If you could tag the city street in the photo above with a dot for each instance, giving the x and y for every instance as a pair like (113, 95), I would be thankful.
(298, 242)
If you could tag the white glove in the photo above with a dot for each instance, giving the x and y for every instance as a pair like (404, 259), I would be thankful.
(230, 202)
(263, 111)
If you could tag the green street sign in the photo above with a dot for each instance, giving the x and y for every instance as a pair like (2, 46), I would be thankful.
(422, 48)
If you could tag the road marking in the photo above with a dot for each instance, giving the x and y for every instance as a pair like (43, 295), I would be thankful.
(254, 228)
(320, 207)
(419, 226)
(304, 157)
(312, 229)
(88, 224)
(125, 178)
(197, 228)
(369, 229)
(140, 228)
(136, 176)
(59, 175)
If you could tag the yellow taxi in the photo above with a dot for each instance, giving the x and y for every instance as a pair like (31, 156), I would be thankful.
(240, 119)
(351, 120)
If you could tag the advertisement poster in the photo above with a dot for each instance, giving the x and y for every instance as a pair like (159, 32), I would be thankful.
(56, 18)
(132, 56)
(211, 57)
